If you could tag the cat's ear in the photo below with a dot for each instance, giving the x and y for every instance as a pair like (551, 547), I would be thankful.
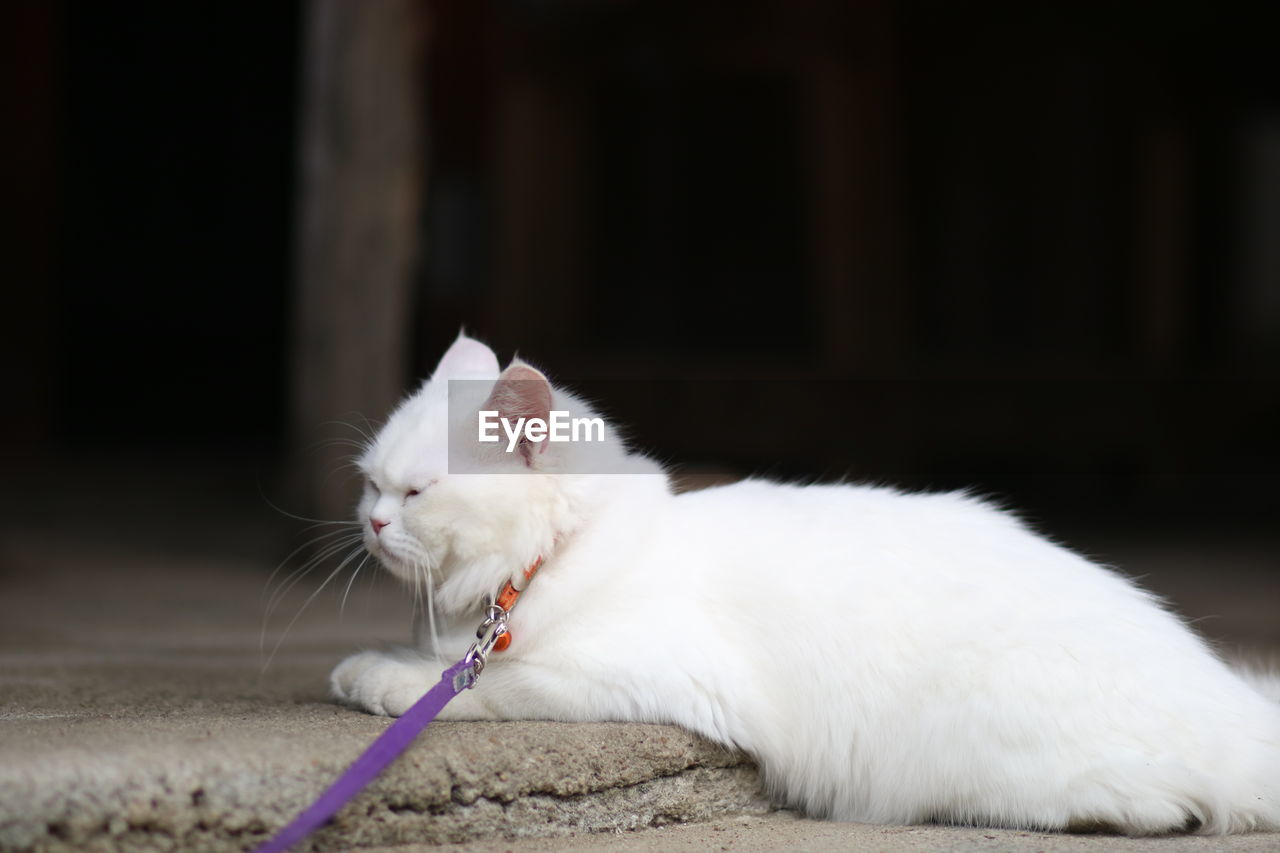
(522, 392)
(467, 359)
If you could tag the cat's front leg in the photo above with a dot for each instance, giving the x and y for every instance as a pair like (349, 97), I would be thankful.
(510, 688)
(388, 683)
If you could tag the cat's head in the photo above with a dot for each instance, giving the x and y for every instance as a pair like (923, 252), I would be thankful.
(445, 508)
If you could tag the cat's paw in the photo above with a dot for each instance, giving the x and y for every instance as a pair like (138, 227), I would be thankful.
(382, 683)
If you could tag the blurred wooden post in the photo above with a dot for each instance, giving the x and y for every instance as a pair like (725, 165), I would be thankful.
(542, 149)
(854, 147)
(359, 193)
(31, 92)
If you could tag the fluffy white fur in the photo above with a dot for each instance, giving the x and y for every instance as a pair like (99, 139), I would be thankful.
(886, 657)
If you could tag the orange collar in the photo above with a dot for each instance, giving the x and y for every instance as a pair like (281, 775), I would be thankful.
(508, 597)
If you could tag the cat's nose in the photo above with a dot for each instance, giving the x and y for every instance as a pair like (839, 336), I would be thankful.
(377, 524)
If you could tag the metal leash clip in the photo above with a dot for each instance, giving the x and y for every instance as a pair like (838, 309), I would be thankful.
(487, 636)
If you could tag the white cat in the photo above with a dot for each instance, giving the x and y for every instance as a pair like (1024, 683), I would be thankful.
(885, 657)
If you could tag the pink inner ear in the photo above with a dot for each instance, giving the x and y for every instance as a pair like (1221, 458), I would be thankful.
(522, 392)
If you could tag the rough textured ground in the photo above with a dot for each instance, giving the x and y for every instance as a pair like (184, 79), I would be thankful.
(784, 831)
(136, 714)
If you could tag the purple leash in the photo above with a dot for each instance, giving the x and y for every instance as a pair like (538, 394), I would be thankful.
(381, 752)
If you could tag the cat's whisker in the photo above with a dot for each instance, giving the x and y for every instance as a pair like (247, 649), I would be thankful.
(323, 552)
(420, 562)
(314, 521)
(326, 443)
(417, 588)
(431, 606)
(275, 594)
(310, 543)
(371, 585)
(355, 552)
(343, 442)
(328, 552)
(366, 433)
(319, 524)
(369, 429)
(347, 465)
(280, 597)
(342, 608)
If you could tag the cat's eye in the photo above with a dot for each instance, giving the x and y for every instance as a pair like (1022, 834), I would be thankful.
(411, 493)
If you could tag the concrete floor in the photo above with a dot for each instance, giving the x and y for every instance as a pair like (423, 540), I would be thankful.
(784, 831)
(138, 711)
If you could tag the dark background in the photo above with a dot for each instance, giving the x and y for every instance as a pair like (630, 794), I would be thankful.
(1030, 248)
